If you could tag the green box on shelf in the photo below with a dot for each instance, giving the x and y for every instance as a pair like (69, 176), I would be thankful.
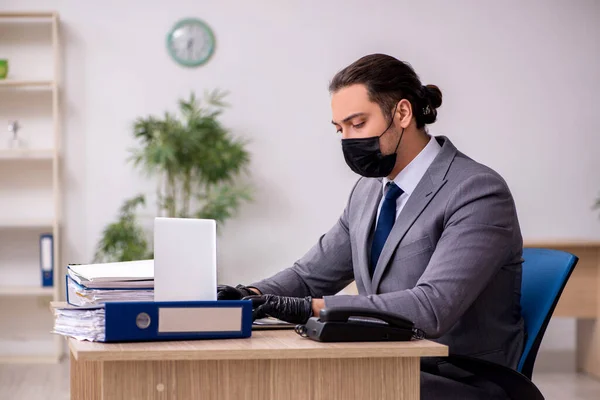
(3, 68)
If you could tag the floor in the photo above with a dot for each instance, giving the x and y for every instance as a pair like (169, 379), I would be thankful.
(48, 381)
(567, 386)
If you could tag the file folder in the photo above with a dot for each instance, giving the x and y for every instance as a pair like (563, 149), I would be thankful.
(157, 321)
(114, 275)
(80, 295)
(47, 259)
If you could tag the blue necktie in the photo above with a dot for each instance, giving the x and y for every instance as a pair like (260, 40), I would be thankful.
(387, 217)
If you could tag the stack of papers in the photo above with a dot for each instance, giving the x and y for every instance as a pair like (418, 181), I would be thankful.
(128, 274)
(78, 295)
(271, 323)
(94, 284)
(81, 323)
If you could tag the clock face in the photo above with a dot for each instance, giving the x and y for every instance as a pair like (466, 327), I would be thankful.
(191, 42)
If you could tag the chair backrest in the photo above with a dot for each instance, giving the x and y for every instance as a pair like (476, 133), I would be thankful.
(545, 274)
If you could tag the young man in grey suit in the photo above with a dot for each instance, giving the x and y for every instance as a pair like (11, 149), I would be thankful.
(427, 233)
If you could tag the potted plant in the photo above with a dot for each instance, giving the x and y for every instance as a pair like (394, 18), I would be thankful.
(196, 162)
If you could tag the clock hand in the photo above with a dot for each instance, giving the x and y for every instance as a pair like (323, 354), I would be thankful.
(190, 44)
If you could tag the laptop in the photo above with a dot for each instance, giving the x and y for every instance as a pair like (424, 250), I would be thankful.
(185, 259)
(185, 264)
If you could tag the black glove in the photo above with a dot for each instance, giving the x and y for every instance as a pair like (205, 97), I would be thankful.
(225, 292)
(296, 310)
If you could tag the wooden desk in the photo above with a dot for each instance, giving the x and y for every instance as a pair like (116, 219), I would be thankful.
(581, 300)
(272, 365)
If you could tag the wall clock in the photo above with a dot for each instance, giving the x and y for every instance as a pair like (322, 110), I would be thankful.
(191, 42)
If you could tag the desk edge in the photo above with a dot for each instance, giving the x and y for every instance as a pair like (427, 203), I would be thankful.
(432, 350)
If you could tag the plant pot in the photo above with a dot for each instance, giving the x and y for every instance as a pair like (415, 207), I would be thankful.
(3, 68)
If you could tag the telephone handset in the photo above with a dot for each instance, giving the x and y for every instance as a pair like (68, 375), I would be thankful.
(350, 324)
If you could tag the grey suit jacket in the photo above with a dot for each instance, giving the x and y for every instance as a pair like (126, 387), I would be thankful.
(452, 262)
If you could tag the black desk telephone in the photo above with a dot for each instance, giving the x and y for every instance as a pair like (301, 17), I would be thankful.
(348, 324)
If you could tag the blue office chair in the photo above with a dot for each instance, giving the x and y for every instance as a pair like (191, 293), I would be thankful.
(545, 274)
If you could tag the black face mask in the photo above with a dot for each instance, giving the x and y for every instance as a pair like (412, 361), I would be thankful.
(364, 157)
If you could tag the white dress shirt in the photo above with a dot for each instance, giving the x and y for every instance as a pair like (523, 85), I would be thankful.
(411, 175)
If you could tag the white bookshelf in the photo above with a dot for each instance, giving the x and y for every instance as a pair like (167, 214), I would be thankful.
(17, 291)
(24, 223)
(39, 84)
(27, 154)
(28, 14)
(30, 185)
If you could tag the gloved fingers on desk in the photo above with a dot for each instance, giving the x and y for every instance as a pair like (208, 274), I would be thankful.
(225, 292)
(296, 310)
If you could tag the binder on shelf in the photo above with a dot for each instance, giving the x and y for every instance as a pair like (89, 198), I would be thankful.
(47, 259)
(155, 321)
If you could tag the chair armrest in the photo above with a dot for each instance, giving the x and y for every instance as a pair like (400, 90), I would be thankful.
(516, 385)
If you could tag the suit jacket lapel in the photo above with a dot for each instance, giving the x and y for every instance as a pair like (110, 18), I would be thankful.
(430, 184)
(368, 213)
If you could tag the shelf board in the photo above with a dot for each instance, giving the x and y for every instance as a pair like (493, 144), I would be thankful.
(26, 291)
(26, 154)
(26, 14)
(26, 223)
(23, 83)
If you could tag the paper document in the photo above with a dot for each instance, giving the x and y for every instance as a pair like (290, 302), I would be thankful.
(81, 323)
(271, 323)
(79, 295)
(128, 274)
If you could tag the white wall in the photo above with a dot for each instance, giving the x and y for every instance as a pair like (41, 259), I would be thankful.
(519, 80)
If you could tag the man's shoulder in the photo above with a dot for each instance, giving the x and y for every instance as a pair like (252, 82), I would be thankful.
(466, 171)
(364, 186)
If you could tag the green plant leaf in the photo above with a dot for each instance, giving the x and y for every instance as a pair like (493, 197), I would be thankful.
(222, 202)
(196, 161)
(123, 240)
(216, 98)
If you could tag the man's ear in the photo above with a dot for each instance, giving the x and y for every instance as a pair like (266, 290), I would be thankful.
(403, 113)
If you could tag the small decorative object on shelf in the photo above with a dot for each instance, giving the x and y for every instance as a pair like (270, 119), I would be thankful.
(3, 68)
(15, 142)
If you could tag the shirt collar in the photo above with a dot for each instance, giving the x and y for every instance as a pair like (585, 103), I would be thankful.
(411, 175)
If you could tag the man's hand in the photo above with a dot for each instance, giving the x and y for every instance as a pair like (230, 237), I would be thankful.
(225, 292)
(317, 306)
(296, 310)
